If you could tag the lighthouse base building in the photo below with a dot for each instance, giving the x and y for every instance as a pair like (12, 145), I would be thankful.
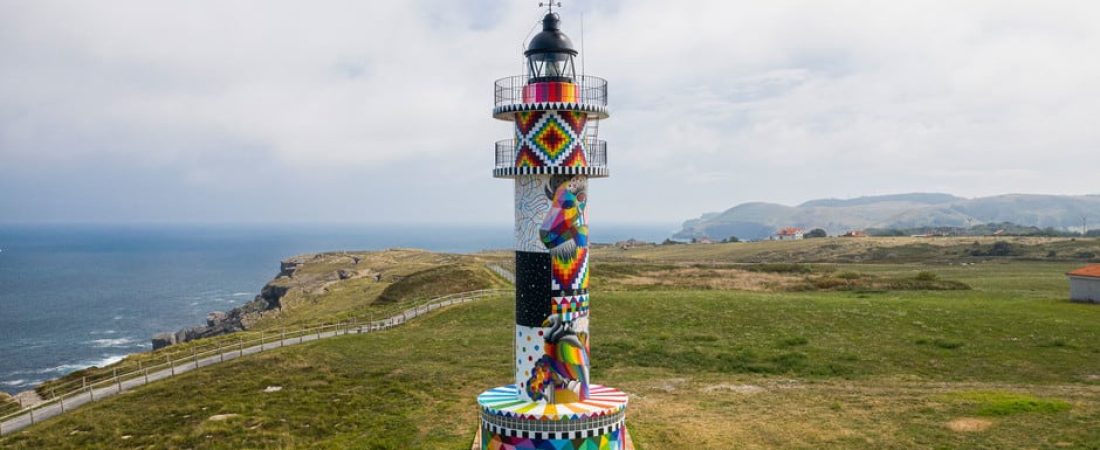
(552, 403)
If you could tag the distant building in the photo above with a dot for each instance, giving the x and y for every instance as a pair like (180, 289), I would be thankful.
(631, 243)
(1084, 284)
(788, 234)
(703, 240)
(854, 233)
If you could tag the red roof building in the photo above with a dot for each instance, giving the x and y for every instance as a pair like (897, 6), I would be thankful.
(788, 234)
(1084, 284)
(1091, 270)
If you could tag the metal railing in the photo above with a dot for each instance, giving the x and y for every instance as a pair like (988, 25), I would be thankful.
(595, 152)
(590, 90)
(119, 382)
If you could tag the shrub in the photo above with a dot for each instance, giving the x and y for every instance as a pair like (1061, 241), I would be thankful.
(926, 276)
(779, 268)
(830, 283)
(794, 341)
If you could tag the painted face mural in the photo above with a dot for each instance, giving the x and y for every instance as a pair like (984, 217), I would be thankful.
(565, 232)
(566, 227)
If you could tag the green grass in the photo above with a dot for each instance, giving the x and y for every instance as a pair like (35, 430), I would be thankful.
(7, 404)
(1001, 403)
(884, 369)
(414, 387)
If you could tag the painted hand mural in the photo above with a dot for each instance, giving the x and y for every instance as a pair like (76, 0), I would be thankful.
(561, 375)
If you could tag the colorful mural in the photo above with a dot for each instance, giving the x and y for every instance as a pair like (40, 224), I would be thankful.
(608, 441)
(552, 404)
(550, 92)
(603, 402)
(565, 228)
(550, 138)
(561, 374)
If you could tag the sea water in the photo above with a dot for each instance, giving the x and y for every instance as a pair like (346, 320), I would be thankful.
(74, 296)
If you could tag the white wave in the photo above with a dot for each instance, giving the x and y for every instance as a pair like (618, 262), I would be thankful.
(66, 368)
(242, 294)
(104, 332)
(120, 342)
(15, 383)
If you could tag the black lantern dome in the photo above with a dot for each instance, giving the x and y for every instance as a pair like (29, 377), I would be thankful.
(550, 53)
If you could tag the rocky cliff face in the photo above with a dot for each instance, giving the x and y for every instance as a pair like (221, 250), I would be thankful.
(236, 319)
(270, 302)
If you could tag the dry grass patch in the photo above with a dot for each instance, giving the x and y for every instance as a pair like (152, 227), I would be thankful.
(718, 279)
(968, 425)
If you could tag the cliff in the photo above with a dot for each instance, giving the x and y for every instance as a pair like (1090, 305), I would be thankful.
(269, 302)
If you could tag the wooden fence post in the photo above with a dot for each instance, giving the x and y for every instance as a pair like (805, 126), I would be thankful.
(261, 340)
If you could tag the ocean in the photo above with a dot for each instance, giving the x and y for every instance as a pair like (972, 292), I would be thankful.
(74, 296)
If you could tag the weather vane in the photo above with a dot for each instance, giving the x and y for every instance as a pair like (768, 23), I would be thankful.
(550, 6)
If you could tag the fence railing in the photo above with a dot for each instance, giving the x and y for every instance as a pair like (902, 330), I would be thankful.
(119, 382)
(595, 153)
(589, 90)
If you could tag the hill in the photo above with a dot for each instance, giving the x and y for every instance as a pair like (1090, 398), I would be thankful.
(759, 220)
(765, 360)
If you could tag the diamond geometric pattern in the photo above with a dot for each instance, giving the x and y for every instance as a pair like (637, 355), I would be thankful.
(550, 138)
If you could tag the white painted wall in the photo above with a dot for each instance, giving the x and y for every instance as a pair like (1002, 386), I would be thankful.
(1084, 289)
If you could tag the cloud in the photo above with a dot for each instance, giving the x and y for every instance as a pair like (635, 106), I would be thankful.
(346, 111)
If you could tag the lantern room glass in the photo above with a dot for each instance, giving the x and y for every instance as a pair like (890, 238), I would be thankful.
(551, 66)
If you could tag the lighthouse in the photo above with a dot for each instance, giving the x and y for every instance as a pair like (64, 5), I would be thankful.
(553, 402)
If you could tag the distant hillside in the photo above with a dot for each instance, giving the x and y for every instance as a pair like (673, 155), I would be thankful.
(759, 220)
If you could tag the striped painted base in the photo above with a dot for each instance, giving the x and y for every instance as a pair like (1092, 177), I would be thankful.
(477, 444)
(511, 422)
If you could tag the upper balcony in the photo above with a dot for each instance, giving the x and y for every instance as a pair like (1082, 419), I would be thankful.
(518, 93)
(508, 164)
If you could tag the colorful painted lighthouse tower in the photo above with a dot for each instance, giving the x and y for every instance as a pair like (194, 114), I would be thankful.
(553, 403)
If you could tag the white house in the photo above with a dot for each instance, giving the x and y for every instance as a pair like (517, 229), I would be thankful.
(1084, 284)
(788, 234)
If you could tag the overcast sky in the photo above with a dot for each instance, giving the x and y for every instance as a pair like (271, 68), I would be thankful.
(379, 111)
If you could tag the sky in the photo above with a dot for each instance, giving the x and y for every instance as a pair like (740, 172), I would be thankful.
(379, 112)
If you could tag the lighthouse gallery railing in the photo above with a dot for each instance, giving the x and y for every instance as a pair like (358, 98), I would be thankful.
(590, 90)
(595, 152)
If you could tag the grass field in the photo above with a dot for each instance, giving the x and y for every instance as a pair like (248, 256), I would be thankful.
(1007, 363)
